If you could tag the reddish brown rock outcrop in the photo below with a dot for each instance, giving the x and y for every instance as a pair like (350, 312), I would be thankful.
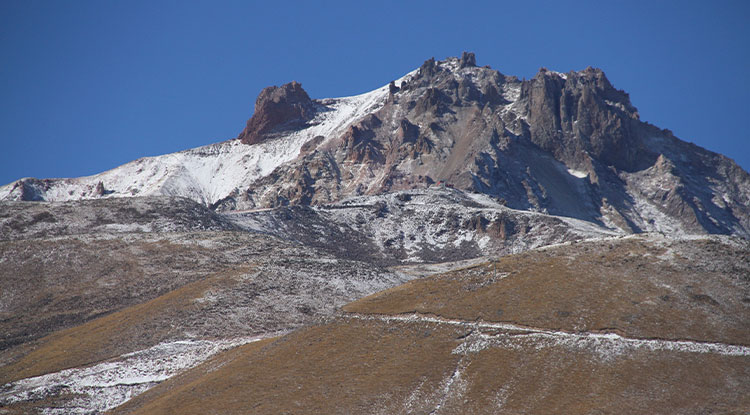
(278, 108)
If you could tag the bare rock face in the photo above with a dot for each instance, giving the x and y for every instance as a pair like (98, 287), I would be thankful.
(284, 107)
(579, 113)
(359, 144)
(407, 131)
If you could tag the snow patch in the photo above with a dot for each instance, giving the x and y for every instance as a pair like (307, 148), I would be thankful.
(578, 173)
(109, 384)
(653, 219)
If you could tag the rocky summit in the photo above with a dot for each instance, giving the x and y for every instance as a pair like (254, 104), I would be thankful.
(456, 241)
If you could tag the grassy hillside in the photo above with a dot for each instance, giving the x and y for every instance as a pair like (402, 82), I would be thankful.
(599, 327)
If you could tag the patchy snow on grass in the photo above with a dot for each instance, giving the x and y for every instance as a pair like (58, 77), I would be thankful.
(126, 228)
(604, 345)
(110, 384)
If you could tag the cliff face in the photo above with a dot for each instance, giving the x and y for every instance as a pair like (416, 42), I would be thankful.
(580, 113)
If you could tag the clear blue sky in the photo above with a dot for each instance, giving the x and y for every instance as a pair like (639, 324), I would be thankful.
(88, 85)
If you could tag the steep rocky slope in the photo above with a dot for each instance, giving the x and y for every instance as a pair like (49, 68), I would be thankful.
(19, 220)
(636, 325)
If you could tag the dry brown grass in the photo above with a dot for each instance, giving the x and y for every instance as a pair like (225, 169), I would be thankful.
(626, 289)
(343, 367)
(564, 381)
(121, 332)
(49, 285)
(354, 366)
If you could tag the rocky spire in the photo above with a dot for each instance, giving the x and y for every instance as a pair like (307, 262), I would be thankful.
(468, 60)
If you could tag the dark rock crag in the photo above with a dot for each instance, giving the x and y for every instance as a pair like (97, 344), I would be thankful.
(580, 113)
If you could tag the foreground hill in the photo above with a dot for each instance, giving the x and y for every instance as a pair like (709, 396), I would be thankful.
(156, 285)
(632, 325)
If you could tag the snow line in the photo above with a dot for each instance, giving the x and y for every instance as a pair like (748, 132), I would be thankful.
(481, 341)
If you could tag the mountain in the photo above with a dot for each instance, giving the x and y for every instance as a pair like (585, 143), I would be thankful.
(457, 241)
(567, 144)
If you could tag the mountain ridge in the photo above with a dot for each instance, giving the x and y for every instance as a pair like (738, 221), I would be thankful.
(568, 144)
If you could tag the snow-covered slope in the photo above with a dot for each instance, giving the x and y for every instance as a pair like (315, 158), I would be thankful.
(204, 174)
(108, 384)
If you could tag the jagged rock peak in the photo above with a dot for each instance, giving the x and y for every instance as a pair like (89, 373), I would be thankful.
(468, 59)
(430, 67)
(593, 79)
(278, 108)
(454, 81)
